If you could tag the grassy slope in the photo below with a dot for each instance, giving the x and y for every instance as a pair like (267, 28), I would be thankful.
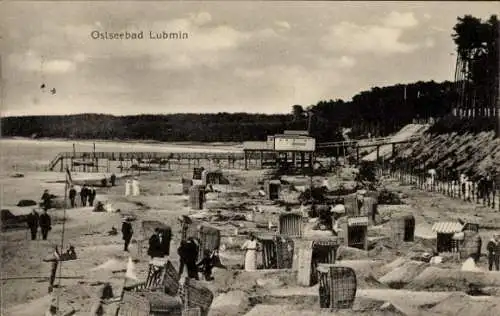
(469, 152)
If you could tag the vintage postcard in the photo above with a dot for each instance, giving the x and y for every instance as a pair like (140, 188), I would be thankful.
(250, 158)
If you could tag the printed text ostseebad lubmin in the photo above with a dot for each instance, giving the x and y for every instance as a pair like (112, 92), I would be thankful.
(98, 35)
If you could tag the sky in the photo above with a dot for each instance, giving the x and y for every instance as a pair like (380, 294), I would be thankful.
(239, 56)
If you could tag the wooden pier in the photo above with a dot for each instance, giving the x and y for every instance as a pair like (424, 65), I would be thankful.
(101, 161)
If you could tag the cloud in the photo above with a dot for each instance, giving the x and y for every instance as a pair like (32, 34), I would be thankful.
(80, 57)
(283, 25)
(353, 38)
(342, 62)
(429, 42)
(31, 61)
(439, 29)
(427, 16)
(400, 20)
(201, 18)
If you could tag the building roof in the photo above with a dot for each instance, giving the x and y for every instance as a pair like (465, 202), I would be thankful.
(447, 227)
(252, 145)
(296, 132)
(357, 221)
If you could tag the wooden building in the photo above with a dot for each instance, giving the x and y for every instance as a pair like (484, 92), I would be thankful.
(313, 252)
(402, 228)
(351, 204)
(354, 231)
(196, 197)
(369, 208)
(445, 232)
(292, 148)
(290, 224)
(272, 189)
(277, 251)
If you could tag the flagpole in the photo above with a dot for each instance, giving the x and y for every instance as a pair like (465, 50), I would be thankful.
(63, 230)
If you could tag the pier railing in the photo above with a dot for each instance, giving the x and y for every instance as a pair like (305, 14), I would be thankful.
(157, 157)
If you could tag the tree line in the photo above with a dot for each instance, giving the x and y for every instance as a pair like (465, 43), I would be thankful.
(376, 112)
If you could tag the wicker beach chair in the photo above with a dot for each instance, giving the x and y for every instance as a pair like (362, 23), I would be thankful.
(338, 285)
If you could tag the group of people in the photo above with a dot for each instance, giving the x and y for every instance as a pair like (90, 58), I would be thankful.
(43, 221)
(87, 195)
(188, 257)
(159, 247)
(485, 189)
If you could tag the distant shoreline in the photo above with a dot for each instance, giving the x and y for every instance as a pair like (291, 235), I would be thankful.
(129, 141)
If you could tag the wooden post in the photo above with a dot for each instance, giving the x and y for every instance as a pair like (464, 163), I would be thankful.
(378, 153)
(357, 154)
(246, 159)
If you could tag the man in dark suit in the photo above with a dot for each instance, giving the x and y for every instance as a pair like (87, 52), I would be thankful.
(84, 195)
(33, 221)
(72, 196)
(127, 232)
(154, 250)
(91, 194)
(45, 224)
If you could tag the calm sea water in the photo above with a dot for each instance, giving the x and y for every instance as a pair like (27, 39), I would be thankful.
(34, 155)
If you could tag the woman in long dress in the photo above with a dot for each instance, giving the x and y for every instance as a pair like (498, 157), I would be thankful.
(251, 253)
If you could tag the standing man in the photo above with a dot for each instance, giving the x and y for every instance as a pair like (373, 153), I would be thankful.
(127, 232)
(480, 190)
(72, 196)
(493, 253)
(113, 180)
(46, 200)
(84, 195)
(91, 194)
(488, 188)
(182, 252)
(45, 224)
(191, 258)
(165, 238)
(33, 220)
(154, 250)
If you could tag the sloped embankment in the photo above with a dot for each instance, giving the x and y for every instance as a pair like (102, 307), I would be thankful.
(475, 153)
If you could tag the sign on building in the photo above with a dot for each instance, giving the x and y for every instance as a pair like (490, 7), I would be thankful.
(294, 143)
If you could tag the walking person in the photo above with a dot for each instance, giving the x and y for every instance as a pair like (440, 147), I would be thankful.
(45, 224)
(72, 196)
(493, 248)
(251, 253)
(33, 222)
(91, 195)
(127, 232)
(84, 195)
